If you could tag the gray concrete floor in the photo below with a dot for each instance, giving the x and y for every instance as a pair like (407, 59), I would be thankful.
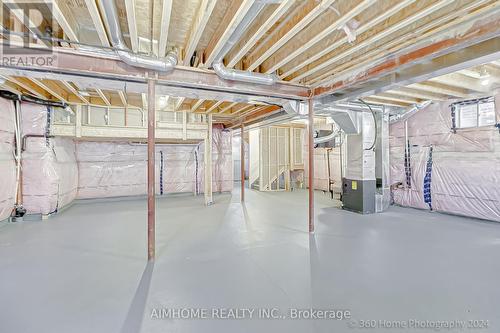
(84, 270)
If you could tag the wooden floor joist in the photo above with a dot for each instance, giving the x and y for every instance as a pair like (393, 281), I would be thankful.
(302, 42)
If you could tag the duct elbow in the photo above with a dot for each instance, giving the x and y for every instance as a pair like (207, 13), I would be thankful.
(243, 76)
(166, 64)
(326, 138)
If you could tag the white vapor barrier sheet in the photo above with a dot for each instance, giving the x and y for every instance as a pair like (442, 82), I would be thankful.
(115, 169)
(58, 170)
(465, 177)
(321, 165)
(49, 169)
(7, 162)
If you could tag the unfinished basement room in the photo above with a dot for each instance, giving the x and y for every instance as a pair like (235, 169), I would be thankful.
(249, 166)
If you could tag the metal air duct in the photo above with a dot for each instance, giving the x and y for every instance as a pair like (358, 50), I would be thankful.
(115, 34)
(238, 75)
(326, 138)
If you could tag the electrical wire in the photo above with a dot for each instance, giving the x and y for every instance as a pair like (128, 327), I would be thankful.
(375, 123)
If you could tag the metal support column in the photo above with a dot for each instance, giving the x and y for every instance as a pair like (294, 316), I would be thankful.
(208, 162)
(310, 139)
(151, 168)
(242, 162)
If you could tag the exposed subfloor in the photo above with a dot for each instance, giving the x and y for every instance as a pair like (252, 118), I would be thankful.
(84, 270)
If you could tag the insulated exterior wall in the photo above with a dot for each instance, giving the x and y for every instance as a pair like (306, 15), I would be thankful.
(7, 162)
(321, 179)
(56, 170)
(222, 160)
(115, 169)
(360, 162)
(49, 169)
(465, 176)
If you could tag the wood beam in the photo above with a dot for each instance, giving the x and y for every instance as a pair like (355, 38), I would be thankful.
(59, 13)
(227, 108)
(407, 91)
(461, 81)
(75, 92)
(422, 36)
(363, 28)
(21, 18)
(398, 98)
(479, 43)
(93, 70)
(244, 116)
(229, 23)
(197, 105)
(53, 89)
(179, 102)
(303, 21)
(470, 73)
(289, 56)
(243, 109)
(132, 24)
(28, 85)
(433, 87)
(104, 98)
(375, 38)
(98, 24)
(255, 114)
(165, 25)
(493, 71)
(380, 100)
(247, 46)
(11, 87)
(197, 28)
(123, 98)
(213, 107)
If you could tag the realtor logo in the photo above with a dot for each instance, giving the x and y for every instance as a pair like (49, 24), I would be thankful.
(27, 28)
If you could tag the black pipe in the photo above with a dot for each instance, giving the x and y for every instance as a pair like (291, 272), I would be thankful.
(25, 138)
(375, 123)
(27, 98)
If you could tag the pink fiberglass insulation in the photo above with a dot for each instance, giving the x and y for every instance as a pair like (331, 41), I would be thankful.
(464, 172)
(49, 169)
(222, 160)
(7, 162)
(115, 169)
(57, 170)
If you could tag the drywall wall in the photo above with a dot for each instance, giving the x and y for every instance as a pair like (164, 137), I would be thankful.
(7, 162)
(465, 170)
